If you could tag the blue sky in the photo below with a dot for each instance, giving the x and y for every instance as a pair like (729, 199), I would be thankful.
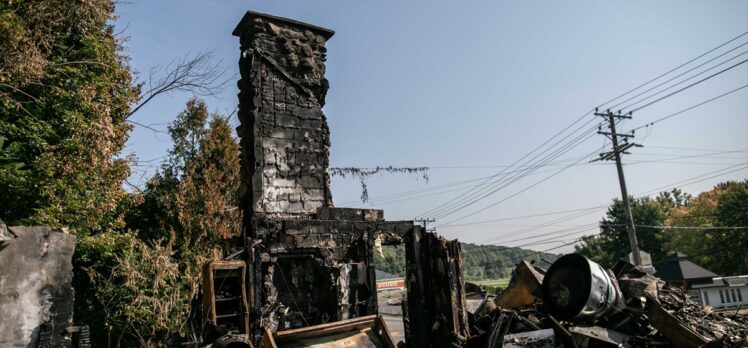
(468, 87)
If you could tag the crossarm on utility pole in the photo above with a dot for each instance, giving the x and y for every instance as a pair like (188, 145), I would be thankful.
(616, 152)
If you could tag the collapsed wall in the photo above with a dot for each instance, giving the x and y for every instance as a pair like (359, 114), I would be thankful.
(36, 293)
(309, 263)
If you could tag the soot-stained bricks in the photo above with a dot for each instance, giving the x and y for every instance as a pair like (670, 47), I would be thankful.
(309, 263)
(284, 135)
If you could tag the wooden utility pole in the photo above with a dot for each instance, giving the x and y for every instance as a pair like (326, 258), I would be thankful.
(615, 154)
(424, 221)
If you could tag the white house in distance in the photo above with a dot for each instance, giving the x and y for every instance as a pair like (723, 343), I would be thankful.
(723, 292)
(704, 285)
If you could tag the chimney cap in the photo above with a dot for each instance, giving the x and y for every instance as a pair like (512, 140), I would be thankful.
(246, 23)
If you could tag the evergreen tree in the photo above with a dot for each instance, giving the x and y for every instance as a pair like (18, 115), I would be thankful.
(194, 197)
(65, 93)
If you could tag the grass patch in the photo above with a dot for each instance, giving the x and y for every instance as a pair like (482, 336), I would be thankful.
(492, 282)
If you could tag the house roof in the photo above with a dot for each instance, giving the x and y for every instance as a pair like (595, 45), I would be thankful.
(724, 282)
(678, 267)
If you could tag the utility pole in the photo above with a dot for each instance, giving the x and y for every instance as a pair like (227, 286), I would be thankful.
(615, 154)
(425, 221)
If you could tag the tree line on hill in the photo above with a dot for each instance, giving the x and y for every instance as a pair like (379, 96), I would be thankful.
(479, 262)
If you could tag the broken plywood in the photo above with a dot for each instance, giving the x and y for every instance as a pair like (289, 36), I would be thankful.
(523, 288)
(369, 331)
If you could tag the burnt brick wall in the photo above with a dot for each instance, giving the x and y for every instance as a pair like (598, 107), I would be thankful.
(284, 135)
(311, 272)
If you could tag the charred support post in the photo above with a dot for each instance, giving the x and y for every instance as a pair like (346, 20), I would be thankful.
(437, 313)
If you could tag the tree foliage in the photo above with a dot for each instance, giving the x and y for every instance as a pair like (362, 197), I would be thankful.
(65, 92)
(194, 197)
(709, 228)
(131, 293)
(717, 246)
(612, 243)
(143, 282)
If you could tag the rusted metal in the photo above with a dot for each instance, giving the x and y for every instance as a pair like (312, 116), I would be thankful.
(536, 339)
(562, 333)
(595, 336)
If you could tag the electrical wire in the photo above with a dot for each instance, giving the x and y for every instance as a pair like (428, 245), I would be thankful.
(440, 213)
(684, 88)
(437, 208)
(699, 178)
(689, 108)
(538, 164)
(681, 74)
(601, 106)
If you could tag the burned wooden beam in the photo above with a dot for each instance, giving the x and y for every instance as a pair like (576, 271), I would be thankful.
(437, 313)
(369, 331)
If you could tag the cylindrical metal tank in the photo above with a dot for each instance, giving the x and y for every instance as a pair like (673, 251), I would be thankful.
(576, 288)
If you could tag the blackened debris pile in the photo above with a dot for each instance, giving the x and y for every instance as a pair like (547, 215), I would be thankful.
(705, 321)
(595, 307)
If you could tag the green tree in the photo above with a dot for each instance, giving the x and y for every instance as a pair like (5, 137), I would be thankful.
(65, 93)
(732, 211)
(612, 244)
(718, 249)
(142, 282)
(194, 197)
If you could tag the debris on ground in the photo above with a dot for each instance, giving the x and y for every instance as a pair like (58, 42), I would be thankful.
(577, 303)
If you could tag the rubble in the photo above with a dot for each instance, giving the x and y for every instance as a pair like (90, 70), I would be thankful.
(523, 288)
(704, 321)
(631, 309)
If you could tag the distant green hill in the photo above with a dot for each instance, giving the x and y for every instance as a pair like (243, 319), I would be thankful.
(479, 261)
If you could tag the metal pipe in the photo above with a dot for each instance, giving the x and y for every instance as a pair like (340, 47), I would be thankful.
(576, 288)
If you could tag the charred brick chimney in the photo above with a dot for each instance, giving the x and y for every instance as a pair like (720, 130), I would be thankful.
(285, 140)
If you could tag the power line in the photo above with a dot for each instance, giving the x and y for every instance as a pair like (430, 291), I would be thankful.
(689, 108)
(519, 192)
(697, 227)
(698, 178)
(520, 217)
(681, 74)
(442, 210)
(404, 196)
(684, 148)
(538, 164)
(447, 203)
(601, 106)
(687, 87)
